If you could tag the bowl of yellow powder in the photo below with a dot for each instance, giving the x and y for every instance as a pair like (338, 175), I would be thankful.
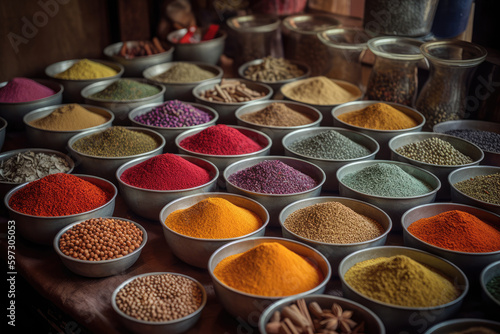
(76, 74)
(52, 127)
(402, 285)
(195, 226)
(251, 274)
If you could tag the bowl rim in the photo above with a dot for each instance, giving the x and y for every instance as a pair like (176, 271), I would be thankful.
(303, 66)
(374, 43)
(452, 185)
(459, 321)
(158, 323)
(85, 91)
(221, 35)
(108, 51)
(310, 16)
(323, 37)
(483, 283)
(114, 65)
(263, 28)
(213, 81)
(215, 69)
(44, 82)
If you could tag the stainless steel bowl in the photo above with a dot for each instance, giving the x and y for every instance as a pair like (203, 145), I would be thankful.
(395, 207)
(276, 133)
(470, 263)
(247, 306)
(460, 325)
(42, 230)
(120, 108)
(3, 130)
(72, 88)
(274, 203)
(330, 167)
(135, 66)
(398, 318)
(204, 51)
(487, 274)
(227, 110)
(58, 140)
(171, 133)
(106, 167)
(13, 113)
(180, 90)
(441, 172)
(336, 252)
(360, 312)
(197, 251)
(172, 327)
(381, 136)
(148, 203)
(99, 268)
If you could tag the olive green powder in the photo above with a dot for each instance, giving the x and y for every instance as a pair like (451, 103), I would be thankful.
(183, 73)
(485, 188)
(125, 90)
(434, 151)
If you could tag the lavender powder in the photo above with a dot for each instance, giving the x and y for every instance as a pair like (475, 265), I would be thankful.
(174, 114)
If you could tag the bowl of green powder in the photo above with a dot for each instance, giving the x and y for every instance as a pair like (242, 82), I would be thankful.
(490, 284)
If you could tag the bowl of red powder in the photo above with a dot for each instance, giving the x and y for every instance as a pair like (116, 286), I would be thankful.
(148, 184)
(43, 207)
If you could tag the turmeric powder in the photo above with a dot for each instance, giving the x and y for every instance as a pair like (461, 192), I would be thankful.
(379, 116)
(86, 69)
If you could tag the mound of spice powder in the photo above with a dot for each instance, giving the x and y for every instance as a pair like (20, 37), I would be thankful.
(277, 114)
(220, 140)
(69, 117)
(174, 114)
(379, 116)
(58, 195)
(320, 90)
(23, 90)
(165, 172)
(125, 90)
(86, 69)
(493, 287)
(183, 73)
(434, 151)
(485, 188)
(272, 177)
(486, 140)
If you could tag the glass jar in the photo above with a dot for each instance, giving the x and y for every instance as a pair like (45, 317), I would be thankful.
(394, 74)
(444, 95)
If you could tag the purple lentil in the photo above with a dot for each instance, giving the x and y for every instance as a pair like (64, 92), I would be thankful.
(174, 114)
(272, 177)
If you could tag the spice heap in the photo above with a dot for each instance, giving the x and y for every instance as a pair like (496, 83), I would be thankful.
(174, 114)
(400, 280)
(457, 230)
(30, 166)
(277, 114)
(484, 188)
(272, 177)
(387, 180)
(269, 269)
(100, 239)
(58, 195)
(126, 90)
(141, 48)
(332, 222)
(397, 85)
(70, 117)
(85, 70)
(214, 218)
(183, 73)
(220, 140)
(434, 151)
(273, 69)
(379, 116)
(231, 91)
(165, 172)
(169, 297)
(23, 90)
(320, 90)
(116, 141)
(486, 140)
(493, 287)
(330, 145)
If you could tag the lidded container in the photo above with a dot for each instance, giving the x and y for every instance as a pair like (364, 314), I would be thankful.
(444, 95)
(394, 74)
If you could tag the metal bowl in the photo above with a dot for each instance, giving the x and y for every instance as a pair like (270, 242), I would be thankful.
(204, 51)
(274, 203)
(171, 133)
(120, 108)
(3, 130)
(247, 306)
(176, 326)
(470, 263)
(381, 136)
(441, 172)
(197, 251)
(102, 268)
(72, 88)
(58, 140)
(180, 90)
(395, 207)
(490, 158)
(106, 167)
(488, 273)
(336, 252)
(227, 110)
(148, 203)
(42, 230)
(135, 66)
(398, 318)
(460, 325)
(13, 113)
(360, 312)
(276, 133)
(330, 167)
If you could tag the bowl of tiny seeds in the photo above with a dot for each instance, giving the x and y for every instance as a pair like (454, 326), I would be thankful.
(465, 326)
(100, 247)
(490, 284)
(174, 306)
